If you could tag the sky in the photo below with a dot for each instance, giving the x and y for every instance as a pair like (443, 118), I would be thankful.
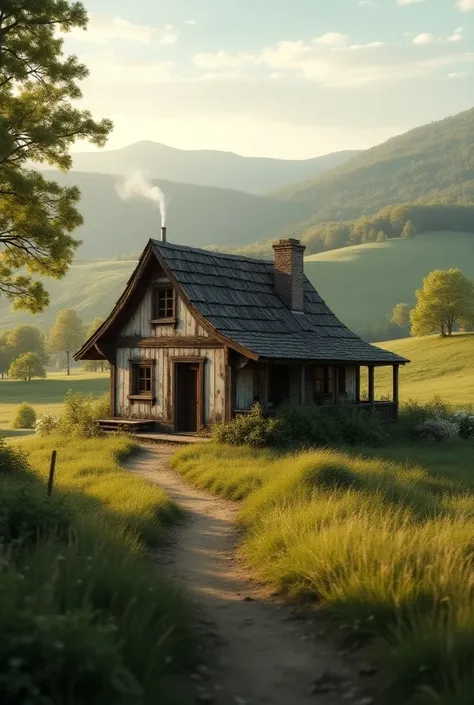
(281, 78)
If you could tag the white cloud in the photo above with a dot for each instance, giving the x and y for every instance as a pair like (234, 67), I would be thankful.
(331, 39)
(404, 3)
(368, 3)
(458, 74)
(427, 38)
(190, 22)
(103, 29)
(465, 5)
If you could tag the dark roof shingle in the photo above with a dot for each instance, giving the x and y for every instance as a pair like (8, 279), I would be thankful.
(237, 297)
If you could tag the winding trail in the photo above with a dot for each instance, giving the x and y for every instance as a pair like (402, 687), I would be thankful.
(255, 649)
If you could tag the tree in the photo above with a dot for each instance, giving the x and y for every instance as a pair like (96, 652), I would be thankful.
(381, 236)
(67, 334)
(26, 367)
(5, 354)
(38, 124)
(408, 231)
(27, 339)
(95, 365)
(447, 297)
(401, 316)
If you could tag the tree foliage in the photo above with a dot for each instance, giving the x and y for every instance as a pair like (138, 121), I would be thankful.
(408, 231)
(401, 316)
(67, 334)
(27, 366)
(38, 123)
(25, 339)
(446, 298)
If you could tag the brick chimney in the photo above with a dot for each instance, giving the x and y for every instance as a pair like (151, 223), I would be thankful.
(289, 274)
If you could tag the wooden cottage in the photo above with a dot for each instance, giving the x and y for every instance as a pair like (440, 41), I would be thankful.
(199, 337)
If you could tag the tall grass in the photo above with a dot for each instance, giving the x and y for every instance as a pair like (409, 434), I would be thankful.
(385, 544)
(85, 616)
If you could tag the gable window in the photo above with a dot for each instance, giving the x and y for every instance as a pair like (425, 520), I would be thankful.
(142, 379)
(164, 305)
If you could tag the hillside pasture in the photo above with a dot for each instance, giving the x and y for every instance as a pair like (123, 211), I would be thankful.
(46, 395)
(362, 284)
(439, 366)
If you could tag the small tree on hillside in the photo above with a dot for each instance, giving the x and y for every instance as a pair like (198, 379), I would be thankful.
(67, 334)
(26, 367)
(6, 355)
(95, 365)
(381, 236)
(401, 316)
(446, 298)
(25, 339)
(409, 230)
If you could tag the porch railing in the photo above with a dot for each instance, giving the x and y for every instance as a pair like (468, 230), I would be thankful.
(387, 411)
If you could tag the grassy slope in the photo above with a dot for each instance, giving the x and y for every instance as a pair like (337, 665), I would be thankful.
(319, 524)
(443, 366)
(91, 565)
(46, 395)
(362, 284)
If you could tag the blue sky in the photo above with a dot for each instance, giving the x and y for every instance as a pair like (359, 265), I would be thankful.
(284, 78)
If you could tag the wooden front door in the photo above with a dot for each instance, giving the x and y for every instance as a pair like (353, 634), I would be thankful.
(187, 397)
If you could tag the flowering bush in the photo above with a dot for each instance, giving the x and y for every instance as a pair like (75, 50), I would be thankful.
(465, 422)
(438, 430)
(46, 425)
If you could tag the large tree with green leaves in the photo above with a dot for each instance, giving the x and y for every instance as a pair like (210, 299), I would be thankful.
(23, 339)
(446, 298)
(67, 334)
(38, 124)
(26, 367)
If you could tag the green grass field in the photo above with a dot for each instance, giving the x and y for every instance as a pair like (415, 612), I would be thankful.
(362, 284)
(439, 366)
(381, 540)
(46, 395)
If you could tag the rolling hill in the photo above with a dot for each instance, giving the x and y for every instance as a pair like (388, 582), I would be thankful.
(361, 284)
(439, 366)
(208, 167)
(197, 215)
(432, 163)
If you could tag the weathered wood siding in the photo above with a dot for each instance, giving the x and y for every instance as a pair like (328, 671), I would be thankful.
(140, 324)
(162, 409)
(244, 394)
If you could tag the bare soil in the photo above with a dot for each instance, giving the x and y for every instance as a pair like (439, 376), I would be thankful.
(256, 649)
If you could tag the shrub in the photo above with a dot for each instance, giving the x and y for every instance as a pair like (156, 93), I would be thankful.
(465, 423)
(25, 417)
(413, 414)
(253, 430)
(27, 366)
(438, 429)
(100, 407)
(46, 425)
(12, 461)
(77, 418)
(26, 512)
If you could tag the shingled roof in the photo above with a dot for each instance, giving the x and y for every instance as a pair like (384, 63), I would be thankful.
(236, 296)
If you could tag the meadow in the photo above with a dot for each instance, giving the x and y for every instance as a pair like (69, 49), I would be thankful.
(46, 395)
(86, 616)
(439, 366)
(362, 284)
(380, 540)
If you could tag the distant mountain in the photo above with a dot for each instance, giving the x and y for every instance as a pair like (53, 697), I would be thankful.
(197, 215)
(208, 167)
(433, 163)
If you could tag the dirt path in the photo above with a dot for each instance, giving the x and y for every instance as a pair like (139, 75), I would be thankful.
(255, 649)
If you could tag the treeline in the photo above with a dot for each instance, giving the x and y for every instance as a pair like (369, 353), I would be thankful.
(25, 350)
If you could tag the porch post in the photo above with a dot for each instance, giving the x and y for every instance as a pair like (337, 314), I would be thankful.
(371, 385)
(335, 383)
(357, 389)
(396, 369)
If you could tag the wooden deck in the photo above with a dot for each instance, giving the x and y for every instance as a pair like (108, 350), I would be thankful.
(141, 429)
(171, 438)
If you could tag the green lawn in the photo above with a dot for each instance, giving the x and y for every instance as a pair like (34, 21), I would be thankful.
(439, 366)
(362, 284)
(47, 395)
(381, 540)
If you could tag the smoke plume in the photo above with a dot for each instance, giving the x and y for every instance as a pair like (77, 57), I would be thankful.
(136, 185)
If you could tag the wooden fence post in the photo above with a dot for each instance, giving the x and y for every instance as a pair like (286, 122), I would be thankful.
(52, 468)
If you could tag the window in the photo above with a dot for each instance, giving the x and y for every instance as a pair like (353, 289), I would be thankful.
(142, 379)
(164, 304)
(323, 380)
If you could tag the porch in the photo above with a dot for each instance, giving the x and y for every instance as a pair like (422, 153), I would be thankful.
(327, 385)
